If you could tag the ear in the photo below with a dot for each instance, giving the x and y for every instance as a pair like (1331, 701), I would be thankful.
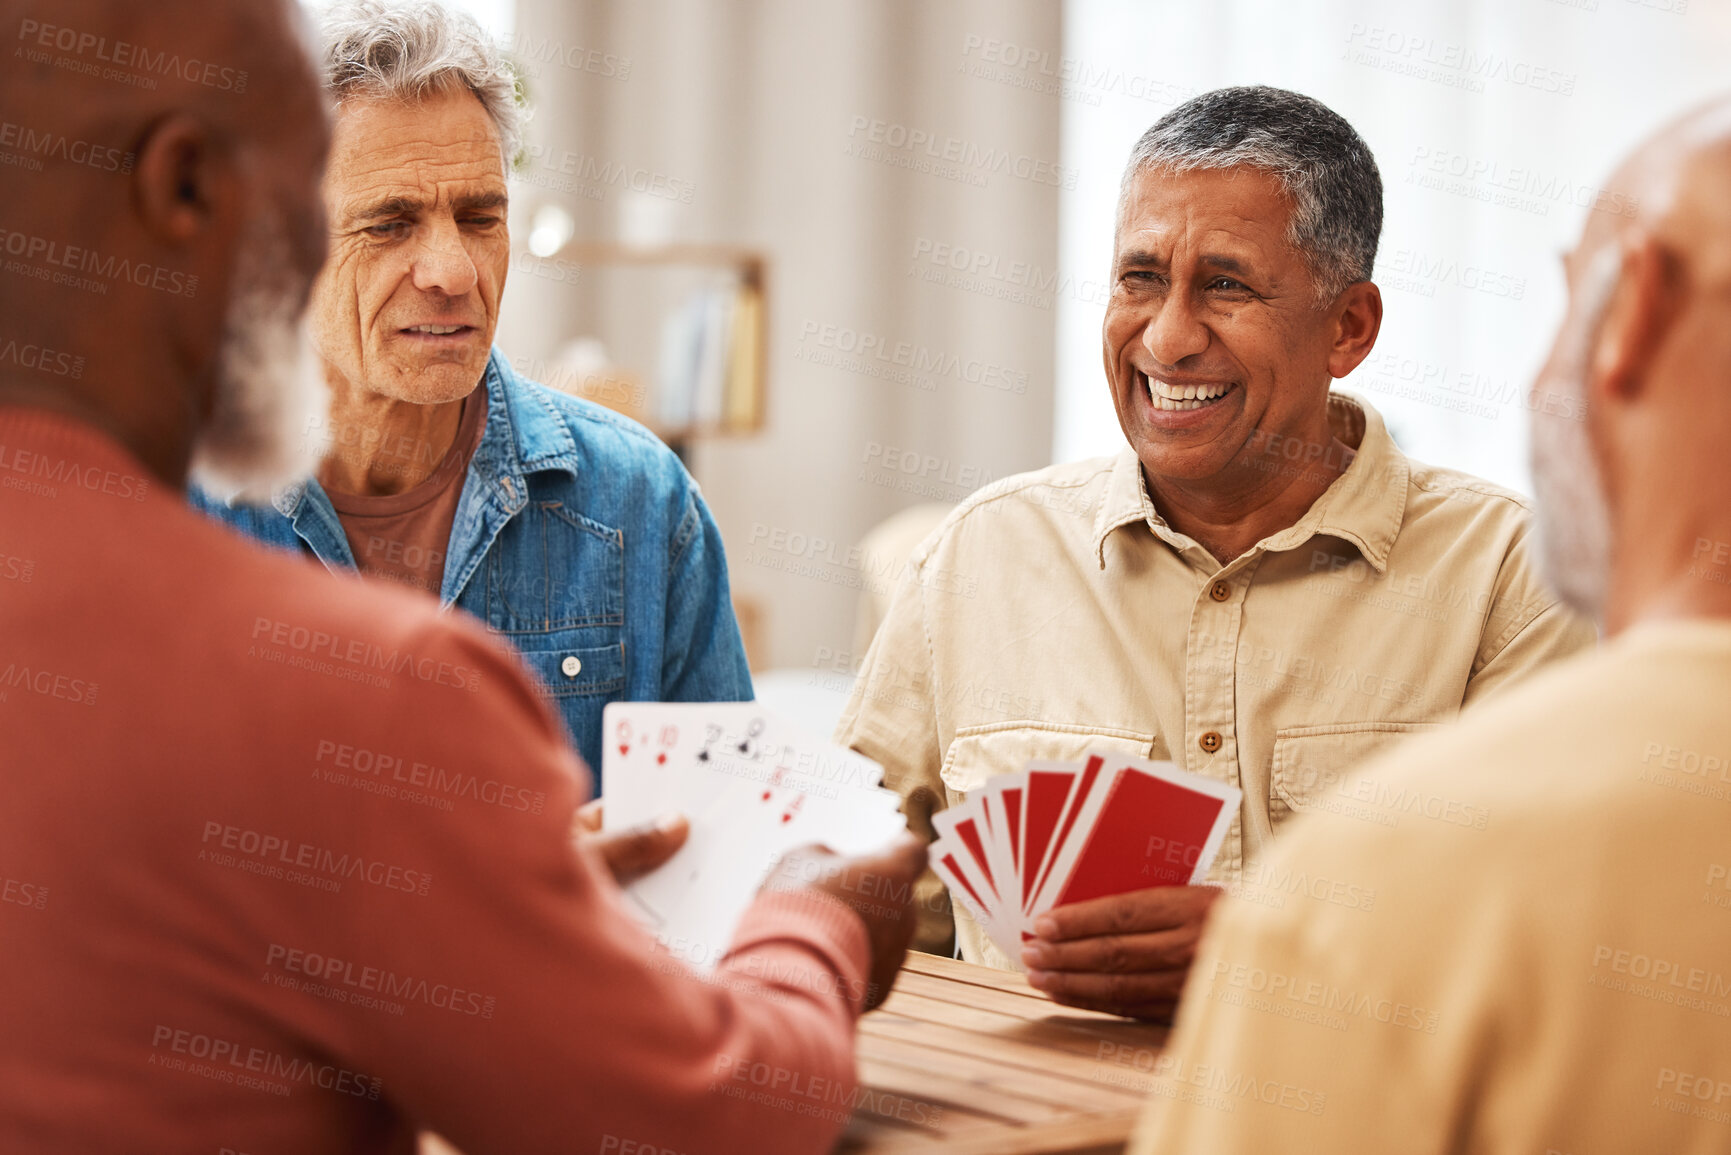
(1637, 319)
(183, 180)
(1358, 320)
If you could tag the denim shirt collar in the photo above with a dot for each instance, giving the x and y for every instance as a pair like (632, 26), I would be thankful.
(523, 435)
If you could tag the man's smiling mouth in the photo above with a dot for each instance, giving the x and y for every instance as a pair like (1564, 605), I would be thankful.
(1182, 397)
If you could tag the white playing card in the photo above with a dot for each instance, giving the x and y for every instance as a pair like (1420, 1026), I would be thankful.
(753, 787)
(705, 890)
(652, 752)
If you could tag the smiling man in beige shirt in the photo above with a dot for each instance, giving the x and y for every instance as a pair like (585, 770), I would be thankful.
(1261, 587)
(1558, 980)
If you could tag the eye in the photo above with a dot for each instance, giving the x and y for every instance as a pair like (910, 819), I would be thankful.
(386, 229)
(482, 221)
(1228, 285)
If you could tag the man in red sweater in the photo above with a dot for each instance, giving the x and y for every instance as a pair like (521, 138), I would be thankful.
(285, 861)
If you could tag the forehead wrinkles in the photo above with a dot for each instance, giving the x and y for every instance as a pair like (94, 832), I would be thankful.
(428, 172)
(1189, 240)
(1208, 210)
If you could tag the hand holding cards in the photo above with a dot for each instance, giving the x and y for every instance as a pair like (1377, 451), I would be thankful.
(1064, 832)
(753, 787)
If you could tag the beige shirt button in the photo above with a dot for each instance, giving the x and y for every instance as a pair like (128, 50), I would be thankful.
(1210, 742)
(1219, 591)
(571, 666)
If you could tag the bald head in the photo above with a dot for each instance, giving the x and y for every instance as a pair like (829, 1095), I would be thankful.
(1678, 179)
(148, 141)
(1632, 413)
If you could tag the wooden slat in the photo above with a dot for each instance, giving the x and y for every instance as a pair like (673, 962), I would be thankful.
(1087, 1024)
(958, 971)
(953, 1092)
(982, 1067)
(1088, 1135)
(1070, 1073)
(910, 1111)
(864, 1134)
(1052, 1032)
(1028, 1073)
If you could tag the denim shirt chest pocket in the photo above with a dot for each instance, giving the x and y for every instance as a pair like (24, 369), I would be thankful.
(555, 589)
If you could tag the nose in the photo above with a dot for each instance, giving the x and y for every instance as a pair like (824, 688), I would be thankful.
(1174, 332)
(443, 264)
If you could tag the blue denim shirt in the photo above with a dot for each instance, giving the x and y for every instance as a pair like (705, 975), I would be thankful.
(580, 538)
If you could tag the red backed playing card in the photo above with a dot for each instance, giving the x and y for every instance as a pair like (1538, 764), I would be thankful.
(1049, 786)
(1150, 832)
(956, 871)
(1072, 808)
(968, 830)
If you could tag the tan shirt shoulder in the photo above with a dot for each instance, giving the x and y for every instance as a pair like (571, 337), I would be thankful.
(1059, 498)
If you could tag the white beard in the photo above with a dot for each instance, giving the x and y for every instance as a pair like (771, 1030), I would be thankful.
(1574, 522)
(270, 422)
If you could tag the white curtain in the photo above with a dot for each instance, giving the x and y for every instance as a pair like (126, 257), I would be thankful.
(1493, 121)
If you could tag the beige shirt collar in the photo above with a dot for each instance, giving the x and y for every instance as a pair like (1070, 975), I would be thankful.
(1364, 506)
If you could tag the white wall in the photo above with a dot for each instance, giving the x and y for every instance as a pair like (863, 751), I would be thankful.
(1541, 95)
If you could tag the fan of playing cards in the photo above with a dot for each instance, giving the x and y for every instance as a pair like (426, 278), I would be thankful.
(753, 787)
(1063, 832)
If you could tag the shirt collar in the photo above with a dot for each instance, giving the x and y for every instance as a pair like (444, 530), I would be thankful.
(524, 434)
(1365, 506)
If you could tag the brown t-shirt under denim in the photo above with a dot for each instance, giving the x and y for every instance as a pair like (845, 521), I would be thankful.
(404, 536)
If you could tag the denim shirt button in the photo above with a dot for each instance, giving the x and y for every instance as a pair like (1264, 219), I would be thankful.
(571, 666)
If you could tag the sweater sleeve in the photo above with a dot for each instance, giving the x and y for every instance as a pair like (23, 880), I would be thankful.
(535, 1014)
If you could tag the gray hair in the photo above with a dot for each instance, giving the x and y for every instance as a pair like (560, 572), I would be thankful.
(408, 49)
(1321, 163)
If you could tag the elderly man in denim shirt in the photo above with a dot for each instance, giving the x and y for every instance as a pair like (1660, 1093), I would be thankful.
(569, 530)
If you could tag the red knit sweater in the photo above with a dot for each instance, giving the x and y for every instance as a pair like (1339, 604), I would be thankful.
(285, 867)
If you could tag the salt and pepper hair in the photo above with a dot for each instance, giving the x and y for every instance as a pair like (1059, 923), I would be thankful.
(1321, 163)
(408, 50)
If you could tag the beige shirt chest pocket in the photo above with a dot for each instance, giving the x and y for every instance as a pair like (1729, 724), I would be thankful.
(1313, 765)
(979, 753)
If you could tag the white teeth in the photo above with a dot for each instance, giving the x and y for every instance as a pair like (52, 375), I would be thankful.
(436, 330)
(1181, 397)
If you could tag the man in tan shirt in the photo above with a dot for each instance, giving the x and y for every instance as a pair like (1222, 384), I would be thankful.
(1261, 587)
(1557, 980)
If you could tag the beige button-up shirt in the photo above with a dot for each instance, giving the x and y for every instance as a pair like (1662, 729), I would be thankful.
(1556, 978)
(1056, 612)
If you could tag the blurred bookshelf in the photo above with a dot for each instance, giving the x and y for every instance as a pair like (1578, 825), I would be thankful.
(707, 374)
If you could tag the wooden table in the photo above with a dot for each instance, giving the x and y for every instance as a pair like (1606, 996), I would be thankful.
(972, 1061)
(968, 1060)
